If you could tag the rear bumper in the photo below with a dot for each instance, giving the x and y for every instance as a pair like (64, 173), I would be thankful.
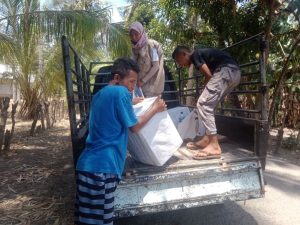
(188, 188)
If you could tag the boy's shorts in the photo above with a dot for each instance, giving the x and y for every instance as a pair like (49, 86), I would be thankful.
(95, 198)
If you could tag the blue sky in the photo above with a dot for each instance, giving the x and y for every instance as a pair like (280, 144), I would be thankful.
(115, 2)
(116, 17)
(119, 3)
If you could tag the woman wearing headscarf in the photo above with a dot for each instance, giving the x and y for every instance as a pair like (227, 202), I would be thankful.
(149, 56)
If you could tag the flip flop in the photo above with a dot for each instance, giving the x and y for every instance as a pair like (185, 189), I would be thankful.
(193, 146)
(207, 156)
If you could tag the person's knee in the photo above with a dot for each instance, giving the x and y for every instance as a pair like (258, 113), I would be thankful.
(205, 108)
(201, 101)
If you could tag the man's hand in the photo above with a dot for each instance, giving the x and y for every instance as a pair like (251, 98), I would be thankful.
(206, 72)
(206, 81)
(137, 100)
(159, 105)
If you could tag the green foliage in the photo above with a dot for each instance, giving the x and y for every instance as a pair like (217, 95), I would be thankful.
(198, 23)
(119, 43)
(220, 23)
(25, 29)
(142, 11)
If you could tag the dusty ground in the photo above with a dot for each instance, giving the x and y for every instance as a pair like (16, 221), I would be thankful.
(37, 186)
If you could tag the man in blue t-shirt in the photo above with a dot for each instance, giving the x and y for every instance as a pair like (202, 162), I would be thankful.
(100, 166)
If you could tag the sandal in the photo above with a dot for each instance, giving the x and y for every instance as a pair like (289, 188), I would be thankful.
(207, 155)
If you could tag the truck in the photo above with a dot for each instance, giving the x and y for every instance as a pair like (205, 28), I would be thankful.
(183, 182)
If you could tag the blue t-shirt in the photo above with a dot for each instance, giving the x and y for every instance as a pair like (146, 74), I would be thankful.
(110, 117)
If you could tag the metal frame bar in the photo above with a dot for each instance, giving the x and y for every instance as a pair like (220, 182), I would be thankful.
(245, 92)
(241, 110)
(250, 83)
(244, 41)
(250, 74)
(69, 88)
(79, 85)
(249, 64)
(82, 90)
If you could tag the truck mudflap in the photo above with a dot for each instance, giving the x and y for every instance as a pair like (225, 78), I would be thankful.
(190, 187)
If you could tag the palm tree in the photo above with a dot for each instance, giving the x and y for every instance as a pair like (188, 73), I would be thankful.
(24, 26)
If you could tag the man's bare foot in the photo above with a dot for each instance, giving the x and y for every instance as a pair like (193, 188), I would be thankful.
(212, 150)
(199, 144)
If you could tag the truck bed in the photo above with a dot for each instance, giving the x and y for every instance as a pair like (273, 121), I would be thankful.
(231, 152)
(184, 182)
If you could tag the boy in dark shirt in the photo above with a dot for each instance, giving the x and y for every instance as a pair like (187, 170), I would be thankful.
(221, 74)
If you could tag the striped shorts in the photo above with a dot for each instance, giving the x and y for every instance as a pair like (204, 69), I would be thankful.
(95, 198)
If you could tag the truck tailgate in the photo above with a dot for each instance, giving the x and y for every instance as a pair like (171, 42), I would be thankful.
(184, 182)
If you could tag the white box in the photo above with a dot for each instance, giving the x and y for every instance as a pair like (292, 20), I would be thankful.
(156, 142)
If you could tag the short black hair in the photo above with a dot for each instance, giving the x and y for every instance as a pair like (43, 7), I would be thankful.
(180, 49)
(122, 66)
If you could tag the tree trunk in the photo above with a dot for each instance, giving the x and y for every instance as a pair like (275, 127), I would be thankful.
(58, 113)
(192, 83)
(269, 23)
(35, 119)
(297, 143)
(42, 115)
(279, 138)
(13, 119)
(9, 134)
(280, 131)
(47, 114)
(190, 100)
(63, 109)
(33, 125)
(29, 104)
(53, 113)
(4, 104)
(7, 138)
(278, 87)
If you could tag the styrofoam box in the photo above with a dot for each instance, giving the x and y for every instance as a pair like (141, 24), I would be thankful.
(175, 113)
(156, 142)
(190, 125)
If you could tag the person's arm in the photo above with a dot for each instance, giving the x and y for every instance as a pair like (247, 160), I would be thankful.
(158, 106)
(153, 71)
(201, 65)
(137, 100)
(155, 66)
(206, 72)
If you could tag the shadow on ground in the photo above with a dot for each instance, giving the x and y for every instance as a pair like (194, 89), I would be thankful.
(228, 213)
